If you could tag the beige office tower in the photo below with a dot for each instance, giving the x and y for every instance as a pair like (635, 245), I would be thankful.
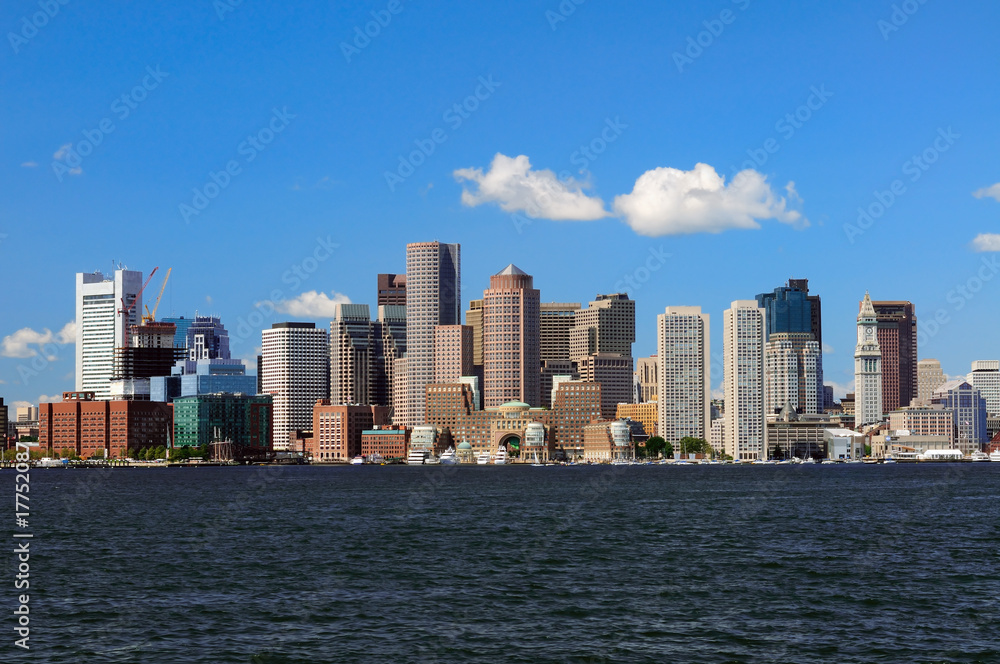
(646, 378)
(555, 322)
(452, 353)
(400, 393)
(295, 363)
(474, 319)
(929, 378)
(743, 362)
(510, 339)
(792, 363)
(606, 330)
(352, 344)
(614, 373)
(433, 297)
(683, 358)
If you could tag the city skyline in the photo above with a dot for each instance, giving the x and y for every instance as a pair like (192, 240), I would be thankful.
(289, 175)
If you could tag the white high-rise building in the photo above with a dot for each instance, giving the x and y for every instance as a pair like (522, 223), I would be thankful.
(792, 363)
(743, 361)
(867, 368)
(683, 357)
(295, 366)
(433, 297)
(100, 328)
(985, 377)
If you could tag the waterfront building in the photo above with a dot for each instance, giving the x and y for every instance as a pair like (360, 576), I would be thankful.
(295, 372)
(391, 290)
(554, 372)
(4, 418)
(717, 435)
(683, 356)
(604, 442)
(985, 377)
(337, 430)
(929, 378)
(510, 339)
(100, 328)
(241, 421)
(969, 407)
(646, 378)
(433, 297)
(897, 340)
(645, 413)
(390, 442)
(84, 425)
(924, 421)
(868, 383)
(791, 435)
(743, 364)
(792, 361)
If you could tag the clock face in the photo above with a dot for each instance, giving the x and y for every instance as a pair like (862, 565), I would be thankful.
(869, 332)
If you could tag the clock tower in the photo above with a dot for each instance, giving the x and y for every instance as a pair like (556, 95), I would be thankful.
(867, 368)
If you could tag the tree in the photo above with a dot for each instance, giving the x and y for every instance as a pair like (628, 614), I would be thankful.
(655, 445)
(150, 454)
(868, 450)
(668, 450)
(691, 445)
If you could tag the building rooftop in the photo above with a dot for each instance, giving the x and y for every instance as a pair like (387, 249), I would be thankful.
(512, 269)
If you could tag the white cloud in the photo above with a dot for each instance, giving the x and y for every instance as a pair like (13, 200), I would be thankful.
(23, 343)
(668, 201)
(312, 304)
(986, 242)
(993, 191)
(515, 187)
(840, 389)
(61, 153)
(29, 164)
(827, 349)
(46, 398)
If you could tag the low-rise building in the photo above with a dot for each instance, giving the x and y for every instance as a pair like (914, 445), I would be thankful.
(337, 430)
(604, 442)
(391, 442)
(84, 426)
(647, 413)
(790, 435)
(240, 421)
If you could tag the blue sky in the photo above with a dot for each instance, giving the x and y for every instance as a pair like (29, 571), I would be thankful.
(326, 122)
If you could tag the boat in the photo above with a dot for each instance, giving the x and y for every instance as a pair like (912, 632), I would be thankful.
(980, 456)
(483, 458)
(417, 456)
(376, 459)
(501, 457)
(889, 459)
(358, 460)
(995, 456)
(537, 462)
(448, 457)
(941, 455)
(809, 460)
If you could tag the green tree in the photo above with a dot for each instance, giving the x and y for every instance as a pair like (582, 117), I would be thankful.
(654, 446)
(668, 450)
(691, 445)
(868, 450)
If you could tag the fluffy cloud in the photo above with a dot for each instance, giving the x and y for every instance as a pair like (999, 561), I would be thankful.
(26, 342)
(312, 304)
(515, 187)
(47, 398)
(668, 201)
(29, 164)
(61, 153)
(986, 242)
(992, 191)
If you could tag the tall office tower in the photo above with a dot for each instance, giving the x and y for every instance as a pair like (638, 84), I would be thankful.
(352, 342)
(555, 320)
(295, 371)
(452, 353)
(391, 290)
(791, 362)
(401, 392)
(929, 378)
(683, 372)
(743, 362)
(614, 373)
(790, 309)
(389, 336)
(646, 378)
(606, 328)
(868, 404)
(985, 377)
(433, 297)
(554, 371)
(100, 328)
(474, 319)
(183, 324)
(897, 339)
(510, 339)
(969, 406)
(207, 339)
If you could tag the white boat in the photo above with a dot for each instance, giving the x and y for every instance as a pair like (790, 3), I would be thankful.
(809, 460)
(501, 457)
(483, 458)
(448, 457)
(889, 459)
(980, 456)
(537, 462)
(358, 461)
(375, 459)
(417, 456)
(995, 456)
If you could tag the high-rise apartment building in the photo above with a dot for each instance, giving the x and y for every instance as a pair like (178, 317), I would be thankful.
(929, 378)
(791, 364)
(352, 342)
(646, 378)
(452, 353)
(868, 382)
(985, 377)
(683, 371)
(295, 372)
(391, 290)
(897, 339)
(743, 362)
(100, 328)
(433, 297)
(790, 310)
(511, 364)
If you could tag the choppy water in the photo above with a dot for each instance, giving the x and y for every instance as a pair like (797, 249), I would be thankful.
(514, 564)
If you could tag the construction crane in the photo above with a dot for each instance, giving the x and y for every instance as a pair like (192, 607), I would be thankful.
(126, 310)
(151, 315)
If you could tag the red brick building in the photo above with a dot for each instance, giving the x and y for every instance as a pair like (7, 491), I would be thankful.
(388, 442)
(87, 427)
(337, 430)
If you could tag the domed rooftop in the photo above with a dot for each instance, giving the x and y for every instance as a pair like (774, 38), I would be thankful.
(515, 405)
(464, 445)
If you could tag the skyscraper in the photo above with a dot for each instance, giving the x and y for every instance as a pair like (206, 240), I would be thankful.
(743, 361)
(791, 364)
(554, 325)
(929, 377)
(452, 353)
(351, 345)
(897, 339)
(389, 335)
(295, 370)
(433, 297)
(391, 290)
(683, 356)
(985, 377)
(511, 364)
(207, 339)
(868, 405)
(647, 377)
(790, 310)
(100, 328)
(605, 329)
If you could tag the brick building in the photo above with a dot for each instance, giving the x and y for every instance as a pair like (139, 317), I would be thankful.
(87, 427)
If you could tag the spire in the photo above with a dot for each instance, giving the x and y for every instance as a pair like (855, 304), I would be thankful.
(867, 309)
(512, 269)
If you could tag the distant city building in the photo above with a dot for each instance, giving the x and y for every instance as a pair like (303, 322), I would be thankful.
(828, 401)
(337, 429)
(83, 425)
(4, 419)
(474, 319)
(204, 377)
(555, 322)
(897, 340)
(683, 357)
(101, 328)
(790, 311)
(614, 373)
(604, 442)
(607, 325)
(644, 413)
(390, 443)
(182, 324)
(847, 404)
(352, 342)
(510, 339)
(985, 377)
(452, 353)
(433, 297)
(929, 378)
(969, 407)
(646, 378)
(150, 352)
(207, 339)
(391, 290)
(241, 421)
(296, 370)
(389, 335)
(717, 435)
(552, 372)
(792, 362)
(924, 421)
(868, 383)
(26, 413)
(401, 392)
(743, 362)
